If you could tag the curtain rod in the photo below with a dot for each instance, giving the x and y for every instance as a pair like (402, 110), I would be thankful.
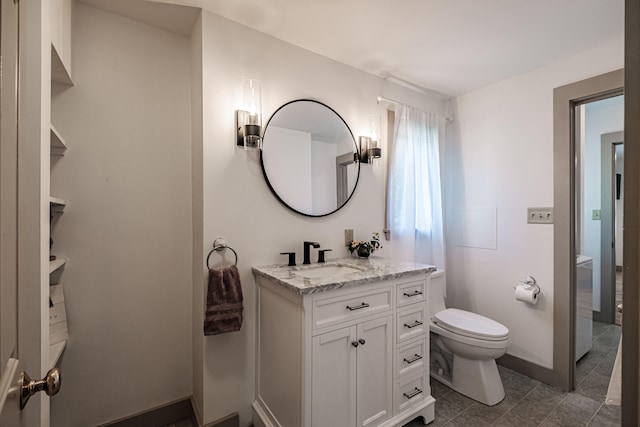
(381, 98)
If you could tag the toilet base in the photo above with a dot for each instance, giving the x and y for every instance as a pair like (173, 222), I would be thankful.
(477, 379)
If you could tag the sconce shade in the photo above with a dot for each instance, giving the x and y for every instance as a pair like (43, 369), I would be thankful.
(249, 119)
(370, 150)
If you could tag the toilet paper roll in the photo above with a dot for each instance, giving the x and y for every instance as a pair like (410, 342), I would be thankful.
(528, 294)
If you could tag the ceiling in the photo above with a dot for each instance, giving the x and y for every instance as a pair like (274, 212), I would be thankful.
(448, 46)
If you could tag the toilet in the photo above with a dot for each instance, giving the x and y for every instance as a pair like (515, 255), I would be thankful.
(464, 348)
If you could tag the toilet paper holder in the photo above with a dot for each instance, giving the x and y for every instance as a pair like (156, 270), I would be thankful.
(530, 281)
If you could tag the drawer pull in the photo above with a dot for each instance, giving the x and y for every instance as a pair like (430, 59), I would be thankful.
(413, 325)
(413, 359)
(363, 305)
(414, 393)
(413, 294)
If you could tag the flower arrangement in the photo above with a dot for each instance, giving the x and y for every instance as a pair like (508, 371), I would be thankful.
(364, 248)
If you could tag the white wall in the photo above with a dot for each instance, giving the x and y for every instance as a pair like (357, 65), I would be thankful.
(127, 228)
(500, 154)
(600, 117)
(237, 202)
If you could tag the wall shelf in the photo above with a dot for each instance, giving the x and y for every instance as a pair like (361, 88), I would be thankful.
(58, 145)
(56, 264)
(55, 351)
(57, 205)
(59, 72)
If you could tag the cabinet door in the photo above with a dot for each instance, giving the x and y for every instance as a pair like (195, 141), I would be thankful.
(333, 388)
(375, 365)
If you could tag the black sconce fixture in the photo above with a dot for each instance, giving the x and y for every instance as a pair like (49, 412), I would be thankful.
(249, 119)
(370, 150)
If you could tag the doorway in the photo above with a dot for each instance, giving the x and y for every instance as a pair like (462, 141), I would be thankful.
(598, 143)
(567, 101)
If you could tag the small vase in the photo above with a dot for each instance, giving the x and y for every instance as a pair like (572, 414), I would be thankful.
(364, 252)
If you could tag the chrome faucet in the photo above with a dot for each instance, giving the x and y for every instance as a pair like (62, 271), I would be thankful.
(307, 246)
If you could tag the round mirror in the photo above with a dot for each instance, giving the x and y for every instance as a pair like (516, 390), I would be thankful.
(309, 158)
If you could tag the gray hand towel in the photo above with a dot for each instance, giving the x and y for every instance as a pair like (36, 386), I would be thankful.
(224, 301)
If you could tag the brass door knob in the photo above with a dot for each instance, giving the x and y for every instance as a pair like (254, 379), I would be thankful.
(50, 384)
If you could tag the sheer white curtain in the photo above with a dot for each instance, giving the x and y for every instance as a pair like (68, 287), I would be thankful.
(415, 196)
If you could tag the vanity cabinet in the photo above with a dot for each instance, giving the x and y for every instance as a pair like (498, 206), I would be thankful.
(353, 364)
(346, 354)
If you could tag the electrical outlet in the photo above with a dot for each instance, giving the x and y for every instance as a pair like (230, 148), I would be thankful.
(348, 235)
(539, 215)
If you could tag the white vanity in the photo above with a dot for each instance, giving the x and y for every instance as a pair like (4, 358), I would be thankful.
(341, 344)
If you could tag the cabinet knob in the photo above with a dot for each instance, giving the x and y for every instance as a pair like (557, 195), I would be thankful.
(361, 341)
(354, 343)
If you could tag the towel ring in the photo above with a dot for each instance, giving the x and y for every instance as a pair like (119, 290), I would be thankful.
(220, 245)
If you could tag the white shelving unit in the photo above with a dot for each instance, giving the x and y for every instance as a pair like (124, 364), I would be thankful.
(59, 74)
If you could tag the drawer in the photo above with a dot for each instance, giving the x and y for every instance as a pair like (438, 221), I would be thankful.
(412, 358)
(409, 293)
(411, 323)
(411, 391)
(329, 311)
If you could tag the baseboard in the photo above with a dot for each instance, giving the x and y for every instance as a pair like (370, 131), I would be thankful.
(157, 417)
(530, 369)
(169, 414)
(231, 420)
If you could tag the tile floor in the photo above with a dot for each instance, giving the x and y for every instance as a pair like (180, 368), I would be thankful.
(531, 403)
(528, 402)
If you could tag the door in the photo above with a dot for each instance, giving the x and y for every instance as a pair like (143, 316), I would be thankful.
(10, 366)
(20, 336)
(333, 381)
(375, 366)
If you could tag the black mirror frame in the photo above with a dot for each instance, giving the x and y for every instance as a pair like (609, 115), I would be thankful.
(356, 158)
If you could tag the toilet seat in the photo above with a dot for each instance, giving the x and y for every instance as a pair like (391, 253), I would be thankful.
(470, 325)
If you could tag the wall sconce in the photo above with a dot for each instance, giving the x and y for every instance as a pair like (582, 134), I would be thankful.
(249, 119)
(370, 150)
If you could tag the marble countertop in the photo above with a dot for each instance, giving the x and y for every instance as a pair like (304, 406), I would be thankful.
(367, 270)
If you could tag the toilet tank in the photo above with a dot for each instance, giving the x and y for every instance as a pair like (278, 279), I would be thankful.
(437, 292)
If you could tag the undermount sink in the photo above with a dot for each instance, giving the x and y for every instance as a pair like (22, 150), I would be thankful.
(325, 271)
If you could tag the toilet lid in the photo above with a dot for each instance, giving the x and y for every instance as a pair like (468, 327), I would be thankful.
(470, 324)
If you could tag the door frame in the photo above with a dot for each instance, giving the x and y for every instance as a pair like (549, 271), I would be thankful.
(607, 313)
(631, 234)
(565, 100)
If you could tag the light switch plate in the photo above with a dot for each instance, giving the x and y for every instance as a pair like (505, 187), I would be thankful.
(539, 215)
(595, 214)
